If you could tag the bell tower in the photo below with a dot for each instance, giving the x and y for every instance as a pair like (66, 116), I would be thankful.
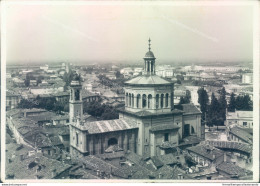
(76, 104)
(149, 61)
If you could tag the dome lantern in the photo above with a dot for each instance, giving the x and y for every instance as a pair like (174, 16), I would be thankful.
(149, 61)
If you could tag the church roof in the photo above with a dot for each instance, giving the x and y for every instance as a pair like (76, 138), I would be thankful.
(190, 109)
(149, 54)
(104, 126)
(148, 80)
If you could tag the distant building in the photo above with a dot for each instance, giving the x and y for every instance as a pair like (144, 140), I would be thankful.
(12, 100)
(33, 82)
(240, 118)
(247, 78)
(194, 94)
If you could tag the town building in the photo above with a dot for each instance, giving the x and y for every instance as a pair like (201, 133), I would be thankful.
(12, 100)
(247, 78)
(240, 118)
(147, 121)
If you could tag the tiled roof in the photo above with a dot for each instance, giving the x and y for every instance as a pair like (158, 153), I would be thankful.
(232, 145)
(232, 169)
(168, 159)
(206, 151)
(156, 161)
(112, 155)
(21, 170)
(190, 109)
(148, 80)
(133, 157)
(239, 132)
(190, 140)
(107, 126)
(163, 127)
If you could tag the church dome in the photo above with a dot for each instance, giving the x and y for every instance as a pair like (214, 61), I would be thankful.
(149, 54)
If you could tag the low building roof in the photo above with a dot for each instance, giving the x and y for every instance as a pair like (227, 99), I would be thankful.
(168, 159)
(26, 169)
(206, 151)
(190, 109)
(232, 169)
(243, 134)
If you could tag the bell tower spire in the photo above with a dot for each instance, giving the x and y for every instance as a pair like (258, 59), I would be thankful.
(149, 61)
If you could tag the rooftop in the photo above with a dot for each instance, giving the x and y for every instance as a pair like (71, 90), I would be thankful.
(107, 126)
(243, 134)
(35, 166)
(190, 109)
(148, 80)
(232, 169)
(206, 151)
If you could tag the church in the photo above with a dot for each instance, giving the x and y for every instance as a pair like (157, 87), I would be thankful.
(147, 124)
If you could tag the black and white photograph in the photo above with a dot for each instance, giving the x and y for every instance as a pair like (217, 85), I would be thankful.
(150, 91)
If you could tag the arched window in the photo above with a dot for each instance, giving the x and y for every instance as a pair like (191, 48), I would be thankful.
(126, 99)
(157, 100)
(162, 98)
(77, 95)
(167, 100)
(144, 100)
(149, 100)
(71, 94)
(132, 100)
(138, 100)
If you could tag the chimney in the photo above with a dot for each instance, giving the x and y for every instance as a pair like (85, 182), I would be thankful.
(53, 173)
(21, 157)
(9, 160)
(214, 156)
(36, 176)
(98, 173)
(160, 175)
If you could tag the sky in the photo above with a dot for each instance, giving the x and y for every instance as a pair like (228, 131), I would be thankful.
(113, 33)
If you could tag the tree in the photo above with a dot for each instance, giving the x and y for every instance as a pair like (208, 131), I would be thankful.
(118, 74)
(223, 104)
(214, 112)
(232, 103)
(203, 101)
(244, 103)
(186, 98)
(27, 79)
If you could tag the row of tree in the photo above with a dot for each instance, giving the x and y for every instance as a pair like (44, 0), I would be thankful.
(214, 113)
(48, 103)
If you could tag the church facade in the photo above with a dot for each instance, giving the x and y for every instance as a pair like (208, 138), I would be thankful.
(148, 124)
